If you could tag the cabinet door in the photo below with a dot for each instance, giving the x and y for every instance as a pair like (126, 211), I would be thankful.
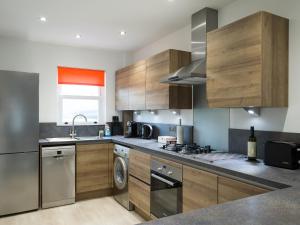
(139, 165)
(92, 164)
(229, 190)
(137, 79)
(139, 194)
(199, 189)
(122, 89)
(234, 64)
(157, 94)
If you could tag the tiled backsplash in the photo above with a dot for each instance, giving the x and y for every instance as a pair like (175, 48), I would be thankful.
(238, 140)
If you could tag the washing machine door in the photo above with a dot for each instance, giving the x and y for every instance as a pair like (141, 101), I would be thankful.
(120, 173)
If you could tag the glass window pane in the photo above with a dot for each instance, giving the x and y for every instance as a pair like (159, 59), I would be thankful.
(87, 107)
(79, 90)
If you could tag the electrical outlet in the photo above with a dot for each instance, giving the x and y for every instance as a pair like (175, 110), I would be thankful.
(172, 129)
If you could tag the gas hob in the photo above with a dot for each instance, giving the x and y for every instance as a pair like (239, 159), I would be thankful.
(197, 152)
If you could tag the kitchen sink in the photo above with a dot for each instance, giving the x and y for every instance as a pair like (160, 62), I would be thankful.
(61, 139)
(91, 138)
(66, 139)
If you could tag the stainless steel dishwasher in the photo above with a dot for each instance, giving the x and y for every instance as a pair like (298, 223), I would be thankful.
(58, 176)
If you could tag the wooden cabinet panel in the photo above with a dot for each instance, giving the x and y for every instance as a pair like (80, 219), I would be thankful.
(92, 167)
(229, 190)
(137, 79)
(241, 68)
(122, 90)
(138, 86)
(139, 194)
(139, 165)
(157, 94)
(165, 96)
(199, 189)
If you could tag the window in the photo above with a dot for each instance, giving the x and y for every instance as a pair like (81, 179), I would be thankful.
(78, 93)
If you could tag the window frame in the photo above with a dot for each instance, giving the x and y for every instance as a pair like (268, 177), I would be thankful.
(60, 98)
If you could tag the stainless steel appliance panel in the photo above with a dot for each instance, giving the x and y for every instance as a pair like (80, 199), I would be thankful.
(166, 189)
(58, 176)
(19, 182)
(19, 107)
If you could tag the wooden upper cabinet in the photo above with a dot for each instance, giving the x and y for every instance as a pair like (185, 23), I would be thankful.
(138, 86)
(139, 165)
(229, 190)
(130, 87)
(166, 96)
(247, 63)
(122, 89)
(137, 79)
(93, 167)
(199, 189)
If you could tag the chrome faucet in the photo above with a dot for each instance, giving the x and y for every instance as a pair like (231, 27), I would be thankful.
(73, 133)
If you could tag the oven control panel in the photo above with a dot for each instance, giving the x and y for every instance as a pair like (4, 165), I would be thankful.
(167, 170)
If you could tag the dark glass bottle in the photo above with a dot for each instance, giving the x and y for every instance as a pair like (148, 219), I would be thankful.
(252, 153)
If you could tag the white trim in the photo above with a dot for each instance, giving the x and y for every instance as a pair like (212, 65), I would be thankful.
(101, 106)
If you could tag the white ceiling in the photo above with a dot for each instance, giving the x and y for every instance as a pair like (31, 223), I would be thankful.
(98, 21)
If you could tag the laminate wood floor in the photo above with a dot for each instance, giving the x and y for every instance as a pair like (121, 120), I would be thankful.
(102, 211)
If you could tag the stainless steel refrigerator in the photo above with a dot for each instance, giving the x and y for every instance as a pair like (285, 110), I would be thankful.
(19, 134)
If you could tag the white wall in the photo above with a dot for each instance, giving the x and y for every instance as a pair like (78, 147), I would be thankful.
(178, 40)
(272, 119)
(42, 58)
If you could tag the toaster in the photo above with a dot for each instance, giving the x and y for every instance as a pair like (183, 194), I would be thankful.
(282, 154)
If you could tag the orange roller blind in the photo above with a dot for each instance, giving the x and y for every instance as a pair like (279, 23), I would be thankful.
(77, 76)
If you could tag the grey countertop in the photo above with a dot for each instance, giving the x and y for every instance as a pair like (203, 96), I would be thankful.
(277, 207)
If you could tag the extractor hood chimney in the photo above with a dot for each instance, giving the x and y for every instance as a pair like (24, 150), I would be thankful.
(203, 21)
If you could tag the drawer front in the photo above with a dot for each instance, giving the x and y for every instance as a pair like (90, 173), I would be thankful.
(139, 165)
(230, 190)
(139, 194)
(199, 189)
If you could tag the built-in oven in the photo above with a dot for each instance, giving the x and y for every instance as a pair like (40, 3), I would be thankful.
(166, 189)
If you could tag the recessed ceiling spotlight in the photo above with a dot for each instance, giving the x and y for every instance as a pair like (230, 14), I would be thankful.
(122, 32)
(78, 36)
(43, 19)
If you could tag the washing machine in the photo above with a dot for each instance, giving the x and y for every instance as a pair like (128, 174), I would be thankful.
(120, 172)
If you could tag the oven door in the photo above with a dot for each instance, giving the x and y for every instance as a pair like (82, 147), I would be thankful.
(166, 196)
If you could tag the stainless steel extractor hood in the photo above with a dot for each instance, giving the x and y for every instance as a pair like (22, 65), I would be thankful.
(202, 22)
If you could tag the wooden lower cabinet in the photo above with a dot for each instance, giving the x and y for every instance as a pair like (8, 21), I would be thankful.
(139, 165)
(139, 195)
(93, 170)
(199, 189)
(230, 190)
